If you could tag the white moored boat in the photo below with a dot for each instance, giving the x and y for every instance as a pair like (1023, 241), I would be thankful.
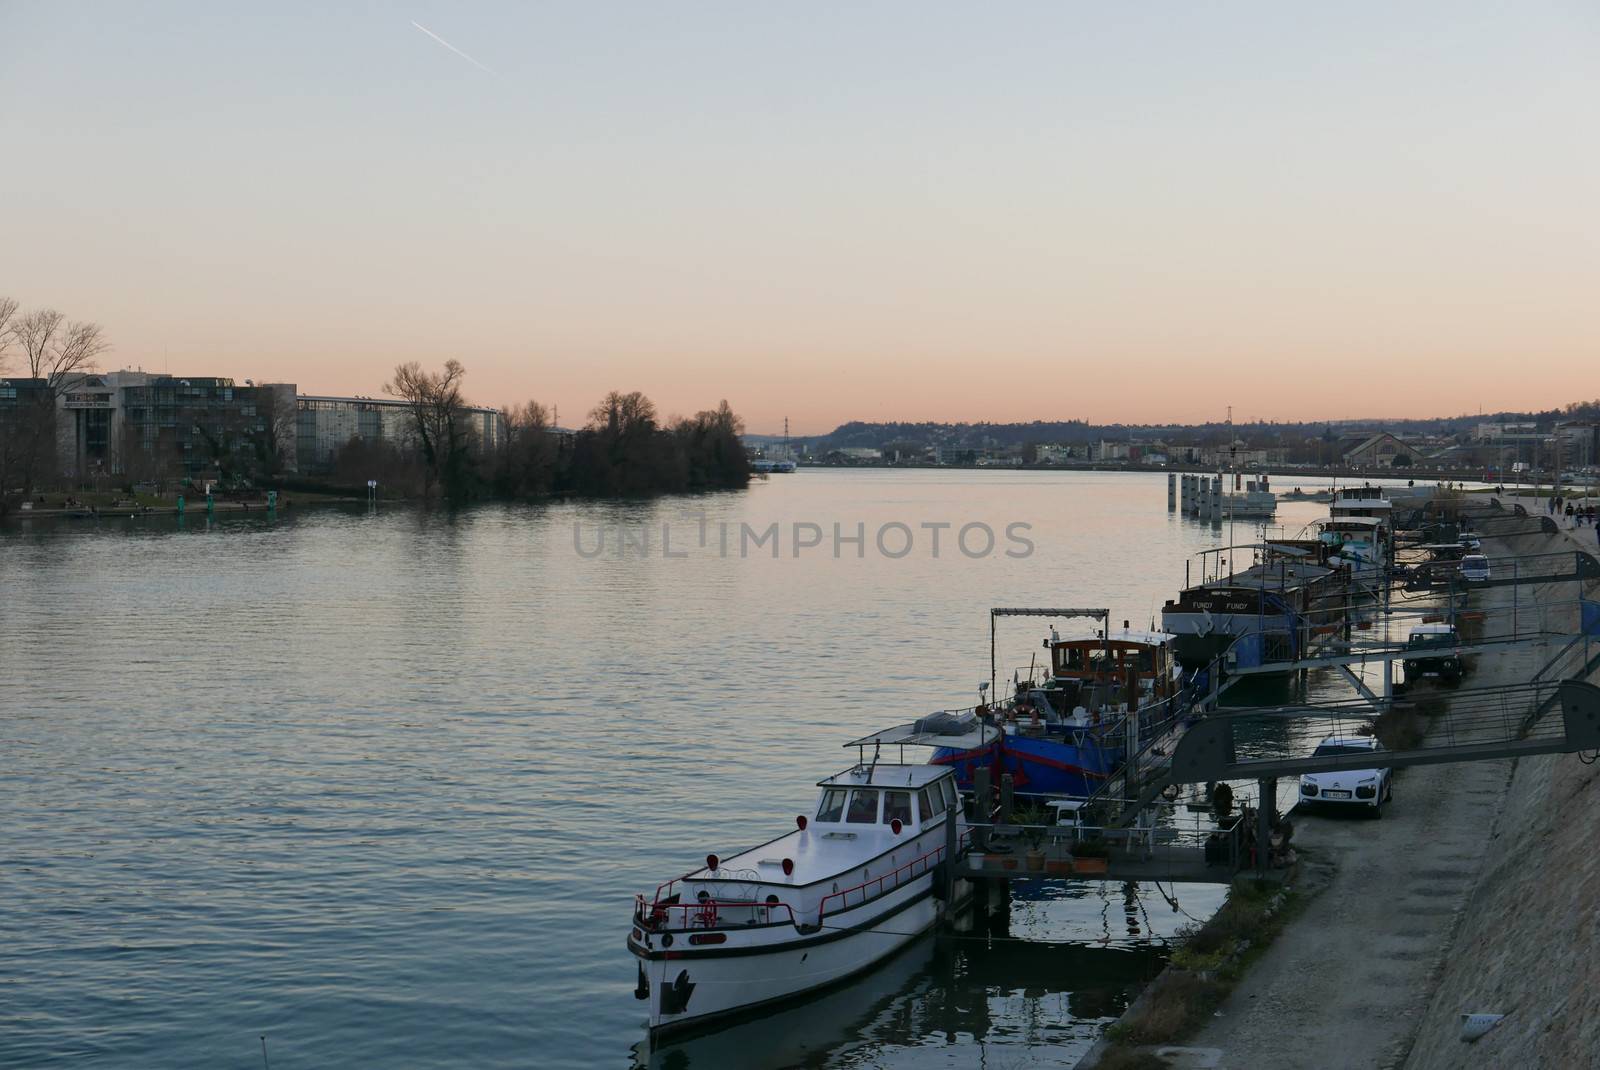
(851, 885)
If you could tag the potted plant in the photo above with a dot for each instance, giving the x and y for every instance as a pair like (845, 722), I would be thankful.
(1091, 856)
(1031, 820)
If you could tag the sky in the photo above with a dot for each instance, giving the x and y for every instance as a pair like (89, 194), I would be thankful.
(874, 211)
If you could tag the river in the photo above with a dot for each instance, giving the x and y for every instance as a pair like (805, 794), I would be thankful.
(379, 786)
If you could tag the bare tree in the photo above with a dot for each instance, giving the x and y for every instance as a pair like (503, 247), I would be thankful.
(622, 414)
(55, 350)
(59, 353)
(10, 428)
(8, 312)
(526, 460)
(438, 414)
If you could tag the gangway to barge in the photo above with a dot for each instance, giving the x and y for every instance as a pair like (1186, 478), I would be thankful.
(1484, 724)
(1396, 650)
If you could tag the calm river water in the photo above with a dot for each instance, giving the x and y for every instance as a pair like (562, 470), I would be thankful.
(380, 786)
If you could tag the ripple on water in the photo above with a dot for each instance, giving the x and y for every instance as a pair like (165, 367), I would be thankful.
(381, 787)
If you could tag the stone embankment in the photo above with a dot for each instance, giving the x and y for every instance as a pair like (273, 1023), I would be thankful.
(1527, 944)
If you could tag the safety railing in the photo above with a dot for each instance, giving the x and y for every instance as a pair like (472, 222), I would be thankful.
(1223, 842)
(888, 882)
(710, 913)
(668, 889)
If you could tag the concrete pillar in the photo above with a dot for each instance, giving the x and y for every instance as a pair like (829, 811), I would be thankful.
(1006, 788)
(1266, 808)
(983, 805)
(1216, 502)
(1172, 491)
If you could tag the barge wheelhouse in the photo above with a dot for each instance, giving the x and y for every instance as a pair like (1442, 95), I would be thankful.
(1264, 613)
(1107, 694)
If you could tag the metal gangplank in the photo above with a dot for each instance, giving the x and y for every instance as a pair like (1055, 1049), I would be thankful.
(1396, 650)
(1482, 724)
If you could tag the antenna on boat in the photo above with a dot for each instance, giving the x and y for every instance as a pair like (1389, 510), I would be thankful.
(877, 748)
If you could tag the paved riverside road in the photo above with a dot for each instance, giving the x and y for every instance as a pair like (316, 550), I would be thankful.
(1348, 981)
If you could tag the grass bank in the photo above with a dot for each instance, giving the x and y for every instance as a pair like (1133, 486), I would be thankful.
(1213, 958)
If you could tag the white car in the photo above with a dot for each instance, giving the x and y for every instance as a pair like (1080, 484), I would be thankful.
(1367, 788)
(1469, 541)
(1474, 568)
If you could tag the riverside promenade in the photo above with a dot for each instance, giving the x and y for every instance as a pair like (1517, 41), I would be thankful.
(1357, 978)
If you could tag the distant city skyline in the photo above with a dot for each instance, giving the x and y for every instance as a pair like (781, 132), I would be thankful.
(903, 212)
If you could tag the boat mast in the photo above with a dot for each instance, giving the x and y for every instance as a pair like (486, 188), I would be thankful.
(1233, 470)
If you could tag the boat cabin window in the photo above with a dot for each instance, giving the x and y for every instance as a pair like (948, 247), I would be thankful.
(1097, 659)
(863, 808)
(1072, 659)
(926, 806)
(832, 808)
(897, 805)
(947, 787)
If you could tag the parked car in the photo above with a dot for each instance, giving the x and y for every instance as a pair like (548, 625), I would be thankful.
(1469, 541)
(1474, 568)
(1436, 656)
(1366, 788)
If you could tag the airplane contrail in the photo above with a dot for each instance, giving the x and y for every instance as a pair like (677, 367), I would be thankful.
(453, 48)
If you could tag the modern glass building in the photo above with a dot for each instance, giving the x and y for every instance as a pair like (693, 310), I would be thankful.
(324, 425)
(145, 426)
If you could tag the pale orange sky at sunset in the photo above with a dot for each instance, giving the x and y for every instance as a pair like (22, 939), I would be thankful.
(909, 212)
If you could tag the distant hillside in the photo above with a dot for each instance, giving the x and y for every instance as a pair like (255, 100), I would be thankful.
(858, 433)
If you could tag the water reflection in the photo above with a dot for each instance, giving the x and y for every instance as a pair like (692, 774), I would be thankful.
(432, 757)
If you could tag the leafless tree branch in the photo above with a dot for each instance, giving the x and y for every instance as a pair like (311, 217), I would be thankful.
(53, 349)
(8, 311)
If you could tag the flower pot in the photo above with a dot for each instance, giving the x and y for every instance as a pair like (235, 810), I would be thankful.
(1035, 860)
(1090, 865)
(1058, 866)
(1009, 862)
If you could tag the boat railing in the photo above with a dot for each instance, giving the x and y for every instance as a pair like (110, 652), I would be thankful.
(709, 913)
(667, 890)
(1225, 834)
(888, 881)
(1100, 720)
(729, 913)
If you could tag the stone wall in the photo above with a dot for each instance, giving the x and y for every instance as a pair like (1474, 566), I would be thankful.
(1526, 945)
